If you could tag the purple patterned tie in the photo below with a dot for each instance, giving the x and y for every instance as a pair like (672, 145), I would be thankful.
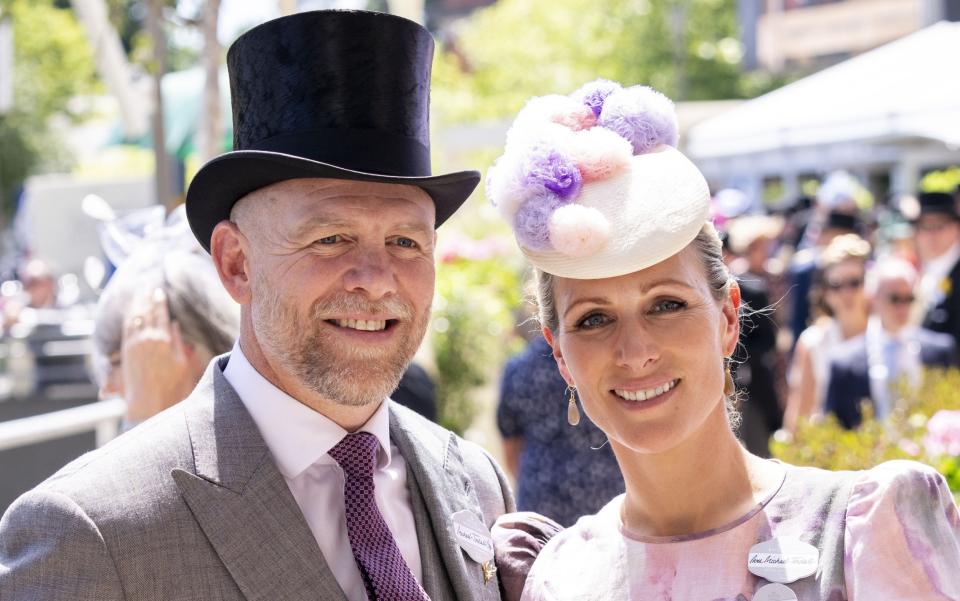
(384, 571)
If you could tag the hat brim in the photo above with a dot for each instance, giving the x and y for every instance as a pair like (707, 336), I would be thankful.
(231, 176)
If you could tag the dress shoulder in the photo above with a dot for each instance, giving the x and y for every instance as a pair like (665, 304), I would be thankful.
(902, 538)
(518, 539)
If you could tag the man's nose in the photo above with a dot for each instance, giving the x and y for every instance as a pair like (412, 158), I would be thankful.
(372, 274)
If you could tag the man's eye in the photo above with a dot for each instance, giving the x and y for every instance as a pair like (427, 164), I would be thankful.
(329, 239)
(406, 243)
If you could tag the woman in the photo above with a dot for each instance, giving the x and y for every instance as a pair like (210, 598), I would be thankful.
(642, 315)
(160, 320)
(846, 311)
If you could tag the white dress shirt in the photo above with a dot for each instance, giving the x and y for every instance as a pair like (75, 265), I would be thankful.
(299, 439)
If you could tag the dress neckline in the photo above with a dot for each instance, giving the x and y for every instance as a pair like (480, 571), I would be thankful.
(680, 538)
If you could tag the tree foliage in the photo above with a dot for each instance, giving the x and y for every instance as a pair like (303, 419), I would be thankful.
(515, 49)
(52, 63)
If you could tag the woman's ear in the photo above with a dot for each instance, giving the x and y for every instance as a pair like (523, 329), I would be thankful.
(229, 249)
(558, 356)
(731, 319)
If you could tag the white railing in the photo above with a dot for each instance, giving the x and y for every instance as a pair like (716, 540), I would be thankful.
(103, 417)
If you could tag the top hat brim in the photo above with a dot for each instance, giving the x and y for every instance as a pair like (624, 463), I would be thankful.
(231, 176)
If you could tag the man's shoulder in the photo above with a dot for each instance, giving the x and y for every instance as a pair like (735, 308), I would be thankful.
(489, 480)
(129, 471)
(420, 426)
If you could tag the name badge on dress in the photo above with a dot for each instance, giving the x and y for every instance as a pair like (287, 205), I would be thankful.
(474, 538)
(783, 560)
(774, 592)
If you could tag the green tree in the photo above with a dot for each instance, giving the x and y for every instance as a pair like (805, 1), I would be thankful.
(52, 63)
(515, 49)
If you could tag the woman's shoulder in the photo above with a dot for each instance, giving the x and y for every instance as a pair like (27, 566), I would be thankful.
(902, 533)
(897, 477)
(903, 487)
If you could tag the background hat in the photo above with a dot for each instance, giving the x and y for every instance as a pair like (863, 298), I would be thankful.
(338, 94)
(841, 220)
(592, 184)
(930, 203)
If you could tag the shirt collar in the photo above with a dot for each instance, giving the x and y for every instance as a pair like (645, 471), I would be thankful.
(942, 265)
(296, 435)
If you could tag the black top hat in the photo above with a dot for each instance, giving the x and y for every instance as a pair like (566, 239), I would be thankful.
(939, 203)
(842, 221)
(339, 94)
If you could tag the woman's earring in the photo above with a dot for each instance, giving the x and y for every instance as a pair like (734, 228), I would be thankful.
(573, 413)
(728, 387)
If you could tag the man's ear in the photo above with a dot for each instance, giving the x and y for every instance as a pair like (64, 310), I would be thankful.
(558, 356)
(229, 249)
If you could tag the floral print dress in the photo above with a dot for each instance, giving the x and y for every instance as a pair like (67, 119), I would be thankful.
(891, 533)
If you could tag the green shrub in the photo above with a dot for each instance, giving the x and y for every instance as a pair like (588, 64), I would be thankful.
(826, 444)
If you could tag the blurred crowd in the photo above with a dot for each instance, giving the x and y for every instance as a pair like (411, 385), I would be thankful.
(841, 306)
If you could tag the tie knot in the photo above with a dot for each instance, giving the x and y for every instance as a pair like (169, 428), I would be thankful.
(356, 454)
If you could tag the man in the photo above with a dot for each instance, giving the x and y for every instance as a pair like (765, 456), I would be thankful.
(937, 226)
(890, 351)
(285, 475)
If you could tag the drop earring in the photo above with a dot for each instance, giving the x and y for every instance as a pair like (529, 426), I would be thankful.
(573, 413)
(728, 387)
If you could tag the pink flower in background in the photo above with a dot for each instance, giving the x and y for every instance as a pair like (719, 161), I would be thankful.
(455, 246)
(943, 433)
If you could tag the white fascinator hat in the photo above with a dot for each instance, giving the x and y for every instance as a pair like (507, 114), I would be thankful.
(593, 185)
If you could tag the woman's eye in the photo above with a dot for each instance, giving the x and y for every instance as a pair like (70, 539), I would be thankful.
(668, 306)
(594, 320)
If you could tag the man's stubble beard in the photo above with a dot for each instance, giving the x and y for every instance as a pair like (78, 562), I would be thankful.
(353, 377)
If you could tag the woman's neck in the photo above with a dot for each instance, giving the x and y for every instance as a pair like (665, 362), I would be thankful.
(705, 482)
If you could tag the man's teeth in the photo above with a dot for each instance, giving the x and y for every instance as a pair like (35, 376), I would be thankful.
(645, 395)
(361, 324)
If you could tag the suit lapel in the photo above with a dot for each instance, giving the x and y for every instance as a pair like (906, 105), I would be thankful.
(243, 504)
(445, 488)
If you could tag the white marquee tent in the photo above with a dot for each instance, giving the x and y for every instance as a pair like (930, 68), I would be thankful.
(893, 110)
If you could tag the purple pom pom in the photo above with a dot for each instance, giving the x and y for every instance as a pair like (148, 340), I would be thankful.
(532, 221)
(548, 168)
(593, 94)
(642, 115)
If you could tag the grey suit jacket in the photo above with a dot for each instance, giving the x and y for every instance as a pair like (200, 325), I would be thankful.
(190, 506)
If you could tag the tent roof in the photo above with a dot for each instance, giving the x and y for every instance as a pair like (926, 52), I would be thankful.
(907, 88)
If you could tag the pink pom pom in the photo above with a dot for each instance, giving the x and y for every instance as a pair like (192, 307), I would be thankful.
(599, 153)
(578, 119)
(556, 109)
(578, 231)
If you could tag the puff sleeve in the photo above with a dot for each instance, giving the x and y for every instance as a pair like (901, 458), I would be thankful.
(902, 538)
(517, 539)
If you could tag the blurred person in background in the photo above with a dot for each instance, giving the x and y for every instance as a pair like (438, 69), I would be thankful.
(937, 225)
(563, 469)
(842, 269)
(750, 238)
(867, 367)
(160, 320)
(40, 284)
(833, 214)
